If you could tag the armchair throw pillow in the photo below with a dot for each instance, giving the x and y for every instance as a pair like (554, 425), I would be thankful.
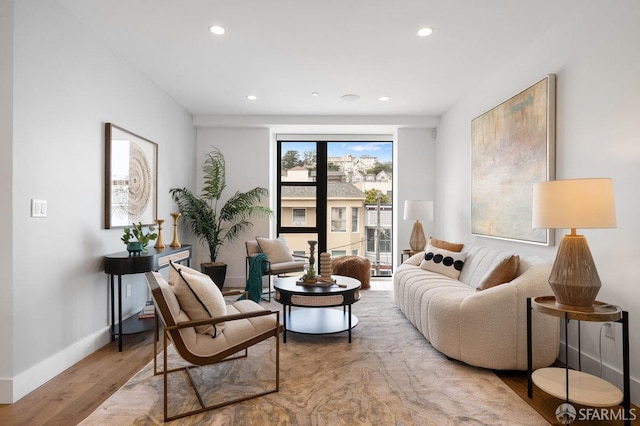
(199, 297)
(277, 250)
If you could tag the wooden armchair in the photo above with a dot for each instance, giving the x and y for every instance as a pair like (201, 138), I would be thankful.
(246, 324)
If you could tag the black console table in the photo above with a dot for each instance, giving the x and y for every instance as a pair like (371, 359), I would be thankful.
(123, 263)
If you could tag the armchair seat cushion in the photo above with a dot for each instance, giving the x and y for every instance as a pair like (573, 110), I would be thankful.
(285, 267)
(234, 333)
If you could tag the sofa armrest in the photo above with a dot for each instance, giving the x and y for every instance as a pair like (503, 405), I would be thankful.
(495, 320)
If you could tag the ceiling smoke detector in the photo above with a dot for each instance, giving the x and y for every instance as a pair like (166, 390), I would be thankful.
(350, 98)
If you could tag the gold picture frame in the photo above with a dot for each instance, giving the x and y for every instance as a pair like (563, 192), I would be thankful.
(131, 178)
(513, 147)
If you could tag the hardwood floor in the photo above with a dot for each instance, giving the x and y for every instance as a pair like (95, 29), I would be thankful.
(71, 396)
(546, 404)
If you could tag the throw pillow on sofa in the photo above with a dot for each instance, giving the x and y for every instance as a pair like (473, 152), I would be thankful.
(502, 273)
(443, 262)
(199, 297)
(445, 245)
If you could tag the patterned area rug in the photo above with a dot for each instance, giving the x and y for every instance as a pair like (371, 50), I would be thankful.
(388, 375)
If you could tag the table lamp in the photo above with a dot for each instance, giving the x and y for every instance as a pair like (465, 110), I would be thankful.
(416, 210)
(571, 204)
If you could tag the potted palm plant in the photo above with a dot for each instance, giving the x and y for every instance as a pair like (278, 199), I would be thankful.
(213, 226)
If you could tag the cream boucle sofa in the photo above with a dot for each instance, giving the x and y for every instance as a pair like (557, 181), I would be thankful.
(485, 328)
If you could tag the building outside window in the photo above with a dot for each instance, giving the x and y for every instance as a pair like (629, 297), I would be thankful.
(355, 215)
(330, 195)
(379, 255)
(299, 217)
(338, 219)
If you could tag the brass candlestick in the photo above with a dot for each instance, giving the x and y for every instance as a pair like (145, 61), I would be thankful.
(159, 242)
(175, 242)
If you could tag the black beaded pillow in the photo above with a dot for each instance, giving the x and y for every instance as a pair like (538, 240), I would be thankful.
(443, 262)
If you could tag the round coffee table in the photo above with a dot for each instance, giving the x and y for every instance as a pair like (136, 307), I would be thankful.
(321, 319)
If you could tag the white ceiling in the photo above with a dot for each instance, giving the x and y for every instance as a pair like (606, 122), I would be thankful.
(282, 50)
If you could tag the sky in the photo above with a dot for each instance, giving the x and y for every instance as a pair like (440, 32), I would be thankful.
(382, 150)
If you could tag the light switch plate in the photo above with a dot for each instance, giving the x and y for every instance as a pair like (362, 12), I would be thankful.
(38, 208)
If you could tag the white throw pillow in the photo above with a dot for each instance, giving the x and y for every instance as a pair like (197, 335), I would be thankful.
(416, 259)
(277, 250)
(444, 262)
(199, 297)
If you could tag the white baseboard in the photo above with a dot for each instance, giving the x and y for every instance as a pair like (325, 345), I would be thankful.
(11, 390)
(611, 373)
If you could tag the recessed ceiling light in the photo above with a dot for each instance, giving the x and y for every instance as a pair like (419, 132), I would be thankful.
(350, 98)
(316, 94)
(424, 32)
(252, 97)
(384, 98)
(217, 30)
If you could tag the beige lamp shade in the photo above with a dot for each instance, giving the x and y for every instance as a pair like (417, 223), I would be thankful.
(574, 203)
(571, 204)
(417, 210)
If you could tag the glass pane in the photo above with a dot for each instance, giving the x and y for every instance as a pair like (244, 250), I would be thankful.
(298, 206)
(299, 217)
(298, 162)
(355, 219)
(298, 243)
(379, 233)
(360, 175)
(338, 219)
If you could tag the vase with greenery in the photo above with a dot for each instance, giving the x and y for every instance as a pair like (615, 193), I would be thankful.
(214, 224)
(136, 238)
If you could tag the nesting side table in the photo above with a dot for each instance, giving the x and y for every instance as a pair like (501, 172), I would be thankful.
(577, 386)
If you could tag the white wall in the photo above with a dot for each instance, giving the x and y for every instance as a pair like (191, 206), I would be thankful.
(415, 179)
(594, 54)
(67, 84)
(6, 230)
(247, 156)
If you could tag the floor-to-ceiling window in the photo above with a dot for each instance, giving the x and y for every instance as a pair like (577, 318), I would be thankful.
(337, 192)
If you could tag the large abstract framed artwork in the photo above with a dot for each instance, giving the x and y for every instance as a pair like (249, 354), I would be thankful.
(131, 178)
(512, 147)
